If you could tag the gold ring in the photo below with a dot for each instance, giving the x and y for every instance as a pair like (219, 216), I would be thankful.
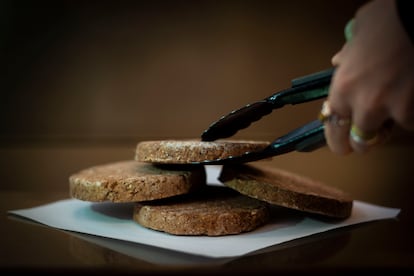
(326, 115)
(363, 138)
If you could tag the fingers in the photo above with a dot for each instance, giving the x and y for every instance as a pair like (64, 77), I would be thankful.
(337, 139)
(350, 100)
(354, 119)
(369, 123)
(344, 136)
(363, 141)
(372, 82)
(336, 129)
(337, 58)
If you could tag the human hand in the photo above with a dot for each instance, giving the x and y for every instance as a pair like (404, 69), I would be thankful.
(374, 81)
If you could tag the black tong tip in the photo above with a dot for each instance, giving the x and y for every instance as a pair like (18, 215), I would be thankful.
(238, 119)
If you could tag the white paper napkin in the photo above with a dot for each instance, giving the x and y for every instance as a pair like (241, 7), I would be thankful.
(114, 220)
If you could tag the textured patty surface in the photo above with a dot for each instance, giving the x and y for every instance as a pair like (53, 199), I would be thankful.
(211, 211)
(190, 151)
(287, 189)
(130, 181)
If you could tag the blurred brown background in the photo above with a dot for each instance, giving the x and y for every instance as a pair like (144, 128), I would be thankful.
(83, 81)
(117, 70)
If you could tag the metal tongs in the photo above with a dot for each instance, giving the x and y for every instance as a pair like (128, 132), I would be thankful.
(306, 138)
(303, 139)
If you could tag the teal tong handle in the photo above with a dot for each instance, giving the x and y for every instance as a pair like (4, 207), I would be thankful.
(304, 89)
